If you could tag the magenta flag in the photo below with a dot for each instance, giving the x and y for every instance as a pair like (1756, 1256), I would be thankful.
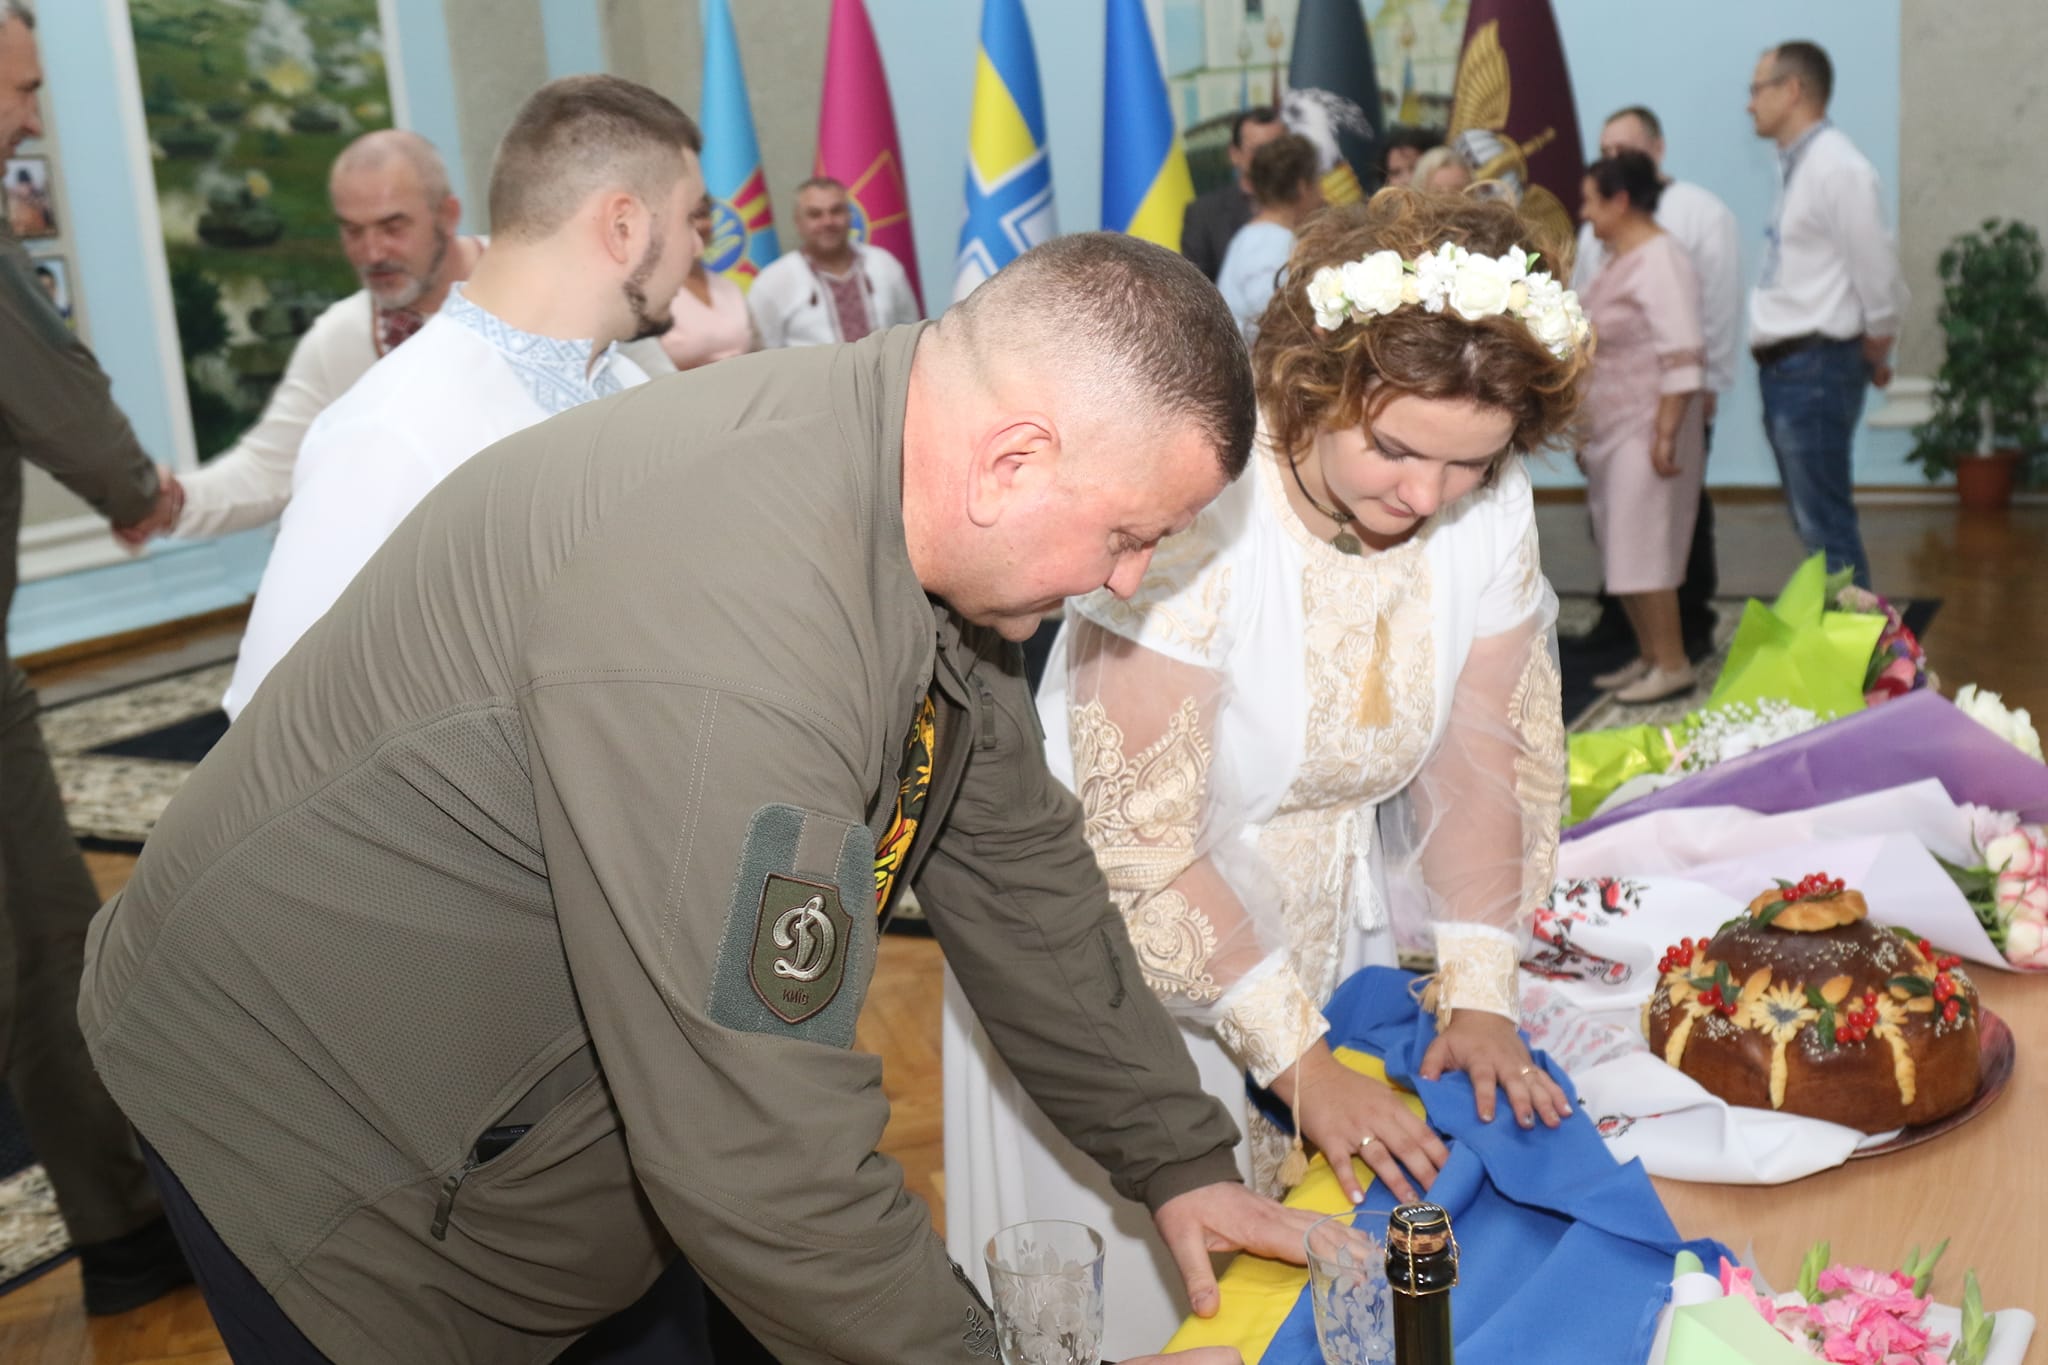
(857, 137)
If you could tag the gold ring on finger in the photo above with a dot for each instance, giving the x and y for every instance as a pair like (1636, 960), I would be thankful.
(1526, 1071)
(1366, 1142)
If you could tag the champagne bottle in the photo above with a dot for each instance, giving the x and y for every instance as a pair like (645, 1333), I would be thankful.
(1422, 1265)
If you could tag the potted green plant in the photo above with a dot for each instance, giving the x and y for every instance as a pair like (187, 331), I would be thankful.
(1988, 409)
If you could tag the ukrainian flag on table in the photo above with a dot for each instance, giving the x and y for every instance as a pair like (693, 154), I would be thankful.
(742, 224)
(1009, 175)
(1145, 182)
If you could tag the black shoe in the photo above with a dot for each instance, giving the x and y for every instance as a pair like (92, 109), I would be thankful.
(131, 1270)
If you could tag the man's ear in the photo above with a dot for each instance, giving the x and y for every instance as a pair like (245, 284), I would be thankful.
(1017, 458)
(450, 214)
(619, 217)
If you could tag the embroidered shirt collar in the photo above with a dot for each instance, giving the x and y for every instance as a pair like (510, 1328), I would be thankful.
(557, 372)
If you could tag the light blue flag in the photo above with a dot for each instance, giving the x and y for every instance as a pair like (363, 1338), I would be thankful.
(742, 224)
(1009, 175)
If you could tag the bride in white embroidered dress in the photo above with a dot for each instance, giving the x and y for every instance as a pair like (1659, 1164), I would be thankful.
(1328, 718)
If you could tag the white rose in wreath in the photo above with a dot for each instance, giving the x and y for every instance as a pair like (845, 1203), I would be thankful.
(1326, 297)
(1434, 275)
(1553, 327)
(1374, 284)
(1479, 288)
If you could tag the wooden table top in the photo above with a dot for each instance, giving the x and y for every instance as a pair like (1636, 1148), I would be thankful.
(1975, 1185)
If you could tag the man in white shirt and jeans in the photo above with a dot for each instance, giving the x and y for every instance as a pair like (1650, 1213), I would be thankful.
(833, 289)
(590, 211)
(1827, 304)
(1705, 227)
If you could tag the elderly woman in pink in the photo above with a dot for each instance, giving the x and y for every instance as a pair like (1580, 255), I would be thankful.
(1645, 452)
(711, 319)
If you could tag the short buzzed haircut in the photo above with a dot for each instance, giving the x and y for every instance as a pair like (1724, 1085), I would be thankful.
(1641, 114)
(374, 151)
(578, 136)
(18, 9)
(1132, 325)
(822, 182)
(1809, 62)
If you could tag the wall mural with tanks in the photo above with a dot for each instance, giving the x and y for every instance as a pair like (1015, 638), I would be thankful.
(247, 104)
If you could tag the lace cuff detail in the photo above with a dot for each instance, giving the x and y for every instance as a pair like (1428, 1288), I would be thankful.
(1476, 970)
(1268, 1022)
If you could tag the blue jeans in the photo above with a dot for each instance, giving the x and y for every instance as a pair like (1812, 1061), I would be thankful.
(1813, 399)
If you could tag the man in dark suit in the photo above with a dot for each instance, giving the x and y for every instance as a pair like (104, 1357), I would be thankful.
(1214, 218)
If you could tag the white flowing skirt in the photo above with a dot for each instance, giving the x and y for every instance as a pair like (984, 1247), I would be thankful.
(1005, 1164)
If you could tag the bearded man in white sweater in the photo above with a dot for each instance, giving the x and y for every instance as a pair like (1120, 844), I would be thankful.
(397, 219)
(590, 205)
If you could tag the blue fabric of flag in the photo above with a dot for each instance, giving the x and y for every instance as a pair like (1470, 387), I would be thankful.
(1565, 1255)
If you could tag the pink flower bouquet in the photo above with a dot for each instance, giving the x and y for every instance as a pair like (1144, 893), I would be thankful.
(1851, 1315)
(2008, 886)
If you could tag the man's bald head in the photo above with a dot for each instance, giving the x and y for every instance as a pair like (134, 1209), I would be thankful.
(395, 149)
(1128, 327)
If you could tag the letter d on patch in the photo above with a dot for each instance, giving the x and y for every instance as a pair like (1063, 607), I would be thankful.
(801, 937)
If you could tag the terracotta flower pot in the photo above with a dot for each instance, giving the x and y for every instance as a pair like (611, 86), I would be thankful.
(1984, 482)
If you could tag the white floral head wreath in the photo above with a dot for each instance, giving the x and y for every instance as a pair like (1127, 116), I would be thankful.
(1470, 285)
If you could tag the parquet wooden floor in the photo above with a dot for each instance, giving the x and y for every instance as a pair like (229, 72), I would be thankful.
(1992, 630)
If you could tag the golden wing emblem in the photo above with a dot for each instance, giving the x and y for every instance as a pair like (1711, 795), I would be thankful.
(1480, 95)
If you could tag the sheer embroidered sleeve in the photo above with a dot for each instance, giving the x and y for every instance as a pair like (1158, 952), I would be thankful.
(1478, 832)
(1140, 723)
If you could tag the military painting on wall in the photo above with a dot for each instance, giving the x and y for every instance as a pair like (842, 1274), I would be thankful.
(247, 103)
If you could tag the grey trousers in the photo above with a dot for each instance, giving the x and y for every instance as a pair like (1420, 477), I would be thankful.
(46, 901)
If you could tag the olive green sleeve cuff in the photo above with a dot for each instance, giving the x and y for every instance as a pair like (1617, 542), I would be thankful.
(1215, 1167)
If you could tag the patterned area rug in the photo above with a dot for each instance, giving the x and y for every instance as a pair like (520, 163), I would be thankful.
(32, 1235)
(121, 757)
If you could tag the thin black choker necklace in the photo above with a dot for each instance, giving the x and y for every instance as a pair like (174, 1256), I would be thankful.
(1344, 542)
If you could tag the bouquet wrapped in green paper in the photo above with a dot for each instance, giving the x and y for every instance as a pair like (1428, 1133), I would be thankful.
(1798, 655)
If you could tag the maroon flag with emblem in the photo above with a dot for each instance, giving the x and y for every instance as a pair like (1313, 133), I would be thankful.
(1512, 113)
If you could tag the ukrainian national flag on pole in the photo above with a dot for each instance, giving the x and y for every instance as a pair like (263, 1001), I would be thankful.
(1145, 182)
(1009, 175)
(742, 224)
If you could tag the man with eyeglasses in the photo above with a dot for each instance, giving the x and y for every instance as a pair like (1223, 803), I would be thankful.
(1827, 304)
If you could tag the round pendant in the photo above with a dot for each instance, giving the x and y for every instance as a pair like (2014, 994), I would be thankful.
(1347, 544)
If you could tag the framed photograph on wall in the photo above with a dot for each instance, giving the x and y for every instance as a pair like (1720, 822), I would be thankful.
(53, 276)
(31, 207)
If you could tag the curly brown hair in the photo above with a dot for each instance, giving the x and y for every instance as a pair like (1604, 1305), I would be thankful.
(1309, 379)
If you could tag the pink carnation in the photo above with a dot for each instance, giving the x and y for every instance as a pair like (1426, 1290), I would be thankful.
(1735, 1283)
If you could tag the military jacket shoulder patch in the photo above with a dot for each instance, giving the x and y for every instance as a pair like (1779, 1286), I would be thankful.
(801, 938)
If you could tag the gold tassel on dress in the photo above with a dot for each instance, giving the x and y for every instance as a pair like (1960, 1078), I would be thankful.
(1294, 1168)
(1375, 705)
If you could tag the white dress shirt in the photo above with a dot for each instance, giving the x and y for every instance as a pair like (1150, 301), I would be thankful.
(1830, 267)
(1705, 227)
(467, 380)
(792, 304)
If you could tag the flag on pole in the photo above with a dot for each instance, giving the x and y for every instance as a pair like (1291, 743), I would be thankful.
(742, 223)
(1512, 113)
(1334, 95)
(1009, 175)
(857, 138)
(1145, 182)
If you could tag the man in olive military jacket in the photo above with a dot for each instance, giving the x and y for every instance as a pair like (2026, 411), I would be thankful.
(514, 938)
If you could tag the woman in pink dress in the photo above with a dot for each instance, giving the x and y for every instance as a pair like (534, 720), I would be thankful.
(1645, 452)
(711, 319)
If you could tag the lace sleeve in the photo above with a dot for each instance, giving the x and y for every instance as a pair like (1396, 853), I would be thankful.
(1140, 726)
(1476, 833)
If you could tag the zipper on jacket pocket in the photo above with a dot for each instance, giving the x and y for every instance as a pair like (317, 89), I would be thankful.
(445, 1207)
